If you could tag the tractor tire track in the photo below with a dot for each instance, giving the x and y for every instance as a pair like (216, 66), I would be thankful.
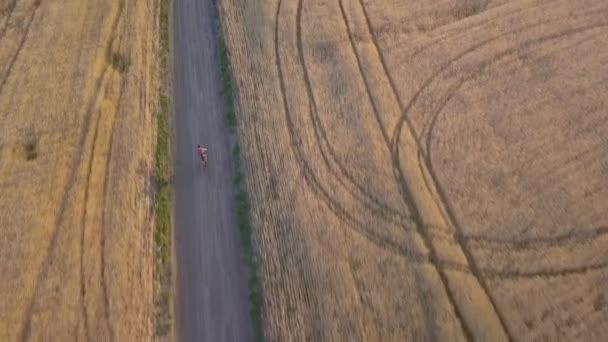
(87, 185)
(315, 185)
(425, 127)
(401, 180)
(102, 236)
(439, 265)
(83, 288)
(442, 197)
(456, 58)
(94, 152)
(70, 188)
(551, 273)
(315, 118)
(514, 274)
(459, 268)
(455, 32)
(343, 214)
(365, 80)
(426, 84)
(403, 119)
(487, 63)
(25, 330)
(19, 48)
(104, 280)
(501, 243)
(570, 239)
(8, 10)
(309, 173)
(435, 260)
(373, 104)
(563, 240)
(385, 211)
(535, 243)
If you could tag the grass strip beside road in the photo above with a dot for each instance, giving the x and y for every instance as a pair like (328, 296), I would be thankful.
(242, 199)
(164, 195)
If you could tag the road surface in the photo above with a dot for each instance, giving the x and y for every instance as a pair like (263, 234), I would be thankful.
(211, 281)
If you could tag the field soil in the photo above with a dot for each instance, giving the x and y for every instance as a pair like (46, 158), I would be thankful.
(426, 170)
(78, 91)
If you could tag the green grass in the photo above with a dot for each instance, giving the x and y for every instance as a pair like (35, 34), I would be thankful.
(163, 198)
(227, 86)
(248, 255)
(470, 8)
(242, 202)
(120, 62)
(165, 6)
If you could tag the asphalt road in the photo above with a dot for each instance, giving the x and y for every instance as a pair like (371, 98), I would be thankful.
(211, 279)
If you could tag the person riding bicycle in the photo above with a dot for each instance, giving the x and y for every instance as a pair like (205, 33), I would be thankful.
(202, 152)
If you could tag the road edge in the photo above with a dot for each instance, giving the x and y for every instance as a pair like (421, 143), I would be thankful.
(255, 295)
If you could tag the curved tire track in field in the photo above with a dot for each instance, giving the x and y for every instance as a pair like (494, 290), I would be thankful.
(421, 155)
(547, 273)
(342, 214)
(523, 244)
(455, 32)
(102, 236)
(8, 10)
(383, 210)
(438, 233)
(427, 83)
(443, 197)
(430, 122)
(21, 43)
(488, 242)
(429, 125)
(465, 239)
(103, 281)
(313, 182)
(422, 231)
(93, 153)
(567, 239)
(25, 330)
(400, 177)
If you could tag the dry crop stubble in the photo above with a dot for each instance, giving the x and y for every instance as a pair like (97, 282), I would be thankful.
(415, 149)
(72, 245)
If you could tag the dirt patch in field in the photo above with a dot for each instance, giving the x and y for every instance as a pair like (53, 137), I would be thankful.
(77, 94)
(426, 170)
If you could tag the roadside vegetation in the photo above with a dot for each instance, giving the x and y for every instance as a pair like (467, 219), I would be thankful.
(163, 204)
(242, 199)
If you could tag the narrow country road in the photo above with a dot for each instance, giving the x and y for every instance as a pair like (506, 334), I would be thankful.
(211, 282)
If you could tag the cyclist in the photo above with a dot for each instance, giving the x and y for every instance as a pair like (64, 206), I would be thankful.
(202, 153)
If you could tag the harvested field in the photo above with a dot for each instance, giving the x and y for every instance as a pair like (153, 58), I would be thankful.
(426, 170)
(78, 91)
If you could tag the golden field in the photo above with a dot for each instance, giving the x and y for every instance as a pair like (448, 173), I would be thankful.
(426, 170)
(78, 88)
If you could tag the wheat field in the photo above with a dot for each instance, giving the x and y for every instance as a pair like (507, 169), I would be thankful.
(78, 87)
(426, 170)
